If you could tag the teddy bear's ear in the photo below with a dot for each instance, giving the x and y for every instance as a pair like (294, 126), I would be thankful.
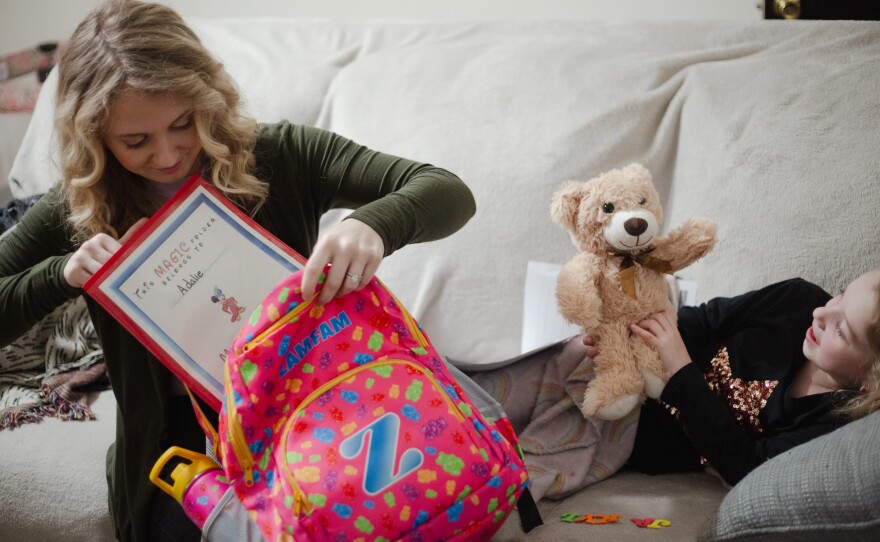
(566, 201)
(639, 173)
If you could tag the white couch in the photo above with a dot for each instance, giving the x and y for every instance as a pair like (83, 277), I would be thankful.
(768, 127)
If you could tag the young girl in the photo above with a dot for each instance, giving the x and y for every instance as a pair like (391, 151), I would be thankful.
(758, 374)
(751, 377)
(141, 106)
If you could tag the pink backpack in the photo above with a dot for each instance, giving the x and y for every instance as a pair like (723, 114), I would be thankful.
(342, 423)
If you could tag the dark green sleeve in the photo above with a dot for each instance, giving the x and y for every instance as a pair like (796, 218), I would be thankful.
(403, 200)
(32, 260)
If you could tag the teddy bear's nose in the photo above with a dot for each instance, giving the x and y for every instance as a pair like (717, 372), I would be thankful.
(635, 226)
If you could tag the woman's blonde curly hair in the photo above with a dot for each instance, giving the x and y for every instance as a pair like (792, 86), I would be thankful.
(127, 44)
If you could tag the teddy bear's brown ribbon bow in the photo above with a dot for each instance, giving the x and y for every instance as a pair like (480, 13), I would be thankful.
(627, 272)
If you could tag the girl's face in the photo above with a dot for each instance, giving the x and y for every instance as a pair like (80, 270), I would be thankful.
(836, 342)
(153, 135)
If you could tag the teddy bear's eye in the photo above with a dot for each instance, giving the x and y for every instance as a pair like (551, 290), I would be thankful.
(642, 201)
(608, 207)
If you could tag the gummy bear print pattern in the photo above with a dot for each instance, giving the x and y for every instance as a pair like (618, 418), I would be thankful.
(203, 494)
(356, 430)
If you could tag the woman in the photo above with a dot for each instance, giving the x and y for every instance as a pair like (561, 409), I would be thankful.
(141, 106)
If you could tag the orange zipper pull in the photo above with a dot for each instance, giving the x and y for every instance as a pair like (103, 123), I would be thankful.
(300, 503)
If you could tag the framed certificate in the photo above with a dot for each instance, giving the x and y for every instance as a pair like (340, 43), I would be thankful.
(188, 279)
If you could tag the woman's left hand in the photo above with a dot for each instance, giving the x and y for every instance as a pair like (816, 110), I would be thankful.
(354, 252)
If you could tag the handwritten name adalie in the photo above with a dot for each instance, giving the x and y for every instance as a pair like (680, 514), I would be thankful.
(189, 282)
(324, 331)
(182, 287)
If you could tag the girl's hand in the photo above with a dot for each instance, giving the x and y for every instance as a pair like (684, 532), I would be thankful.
(590, 343)
(354, 252)
(660, 332)
(92, 254)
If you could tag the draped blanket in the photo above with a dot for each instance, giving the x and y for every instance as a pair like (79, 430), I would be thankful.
(541, 393)
(51, 368)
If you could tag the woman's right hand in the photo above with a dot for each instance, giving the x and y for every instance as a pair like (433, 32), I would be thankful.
(94, 253)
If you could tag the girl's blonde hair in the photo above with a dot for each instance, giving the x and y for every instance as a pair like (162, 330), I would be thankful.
(147, 47)
(868, 400)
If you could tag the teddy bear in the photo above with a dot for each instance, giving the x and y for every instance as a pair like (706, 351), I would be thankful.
(617, 279)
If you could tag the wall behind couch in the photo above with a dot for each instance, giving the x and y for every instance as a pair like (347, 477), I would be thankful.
(24, 23)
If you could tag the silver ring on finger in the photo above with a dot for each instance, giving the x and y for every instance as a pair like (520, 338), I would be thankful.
(354, 277)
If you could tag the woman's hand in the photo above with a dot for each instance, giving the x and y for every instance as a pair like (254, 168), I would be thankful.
(660, 332)
(92, 254)
(354, 252)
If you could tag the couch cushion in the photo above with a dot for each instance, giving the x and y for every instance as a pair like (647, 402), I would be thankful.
(685, 500)
(826, 489)
(53, 481)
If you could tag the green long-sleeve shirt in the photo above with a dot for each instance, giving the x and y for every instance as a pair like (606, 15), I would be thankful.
(309, 172)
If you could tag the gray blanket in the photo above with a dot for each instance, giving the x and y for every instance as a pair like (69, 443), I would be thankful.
(564, 451)
(47, 371)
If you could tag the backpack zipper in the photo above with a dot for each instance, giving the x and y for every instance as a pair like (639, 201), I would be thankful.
(299, 309)
(284, 319)
(414, 328)
(236, 435)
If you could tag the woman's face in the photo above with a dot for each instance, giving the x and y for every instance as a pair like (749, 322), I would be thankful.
(836, 341)
(153, 135)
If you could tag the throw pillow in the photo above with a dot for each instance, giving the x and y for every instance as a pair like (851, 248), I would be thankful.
(825, 489)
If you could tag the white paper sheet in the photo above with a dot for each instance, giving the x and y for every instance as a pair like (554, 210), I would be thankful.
(542, 323)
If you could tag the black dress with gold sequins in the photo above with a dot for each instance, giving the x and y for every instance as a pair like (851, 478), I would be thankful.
(730, 408)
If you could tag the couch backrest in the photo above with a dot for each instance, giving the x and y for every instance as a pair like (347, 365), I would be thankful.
(767, 127)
